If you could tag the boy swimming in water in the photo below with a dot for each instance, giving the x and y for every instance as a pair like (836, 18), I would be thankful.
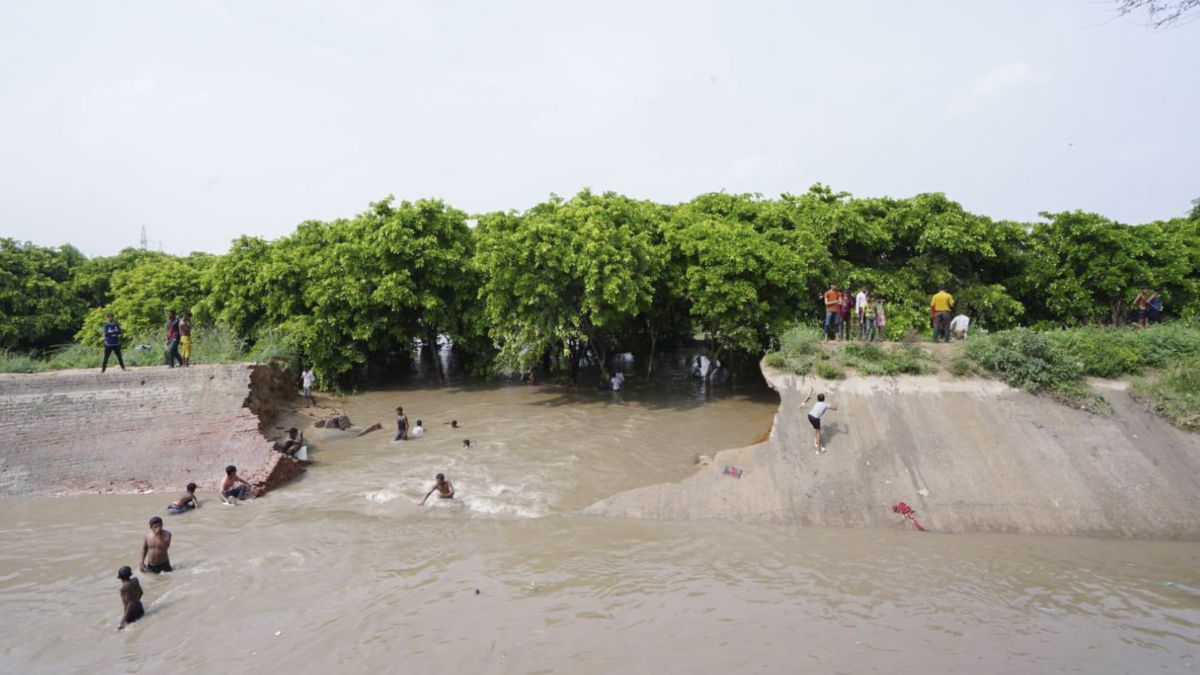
(443, 487)
(186, 502)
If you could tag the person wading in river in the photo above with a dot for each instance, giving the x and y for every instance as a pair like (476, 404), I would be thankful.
(443, 487)
(401, 425)
(814, 418)
(156, 543)
(131, 598)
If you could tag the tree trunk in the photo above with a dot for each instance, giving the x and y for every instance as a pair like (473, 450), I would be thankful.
(650, 360)
(432, 343)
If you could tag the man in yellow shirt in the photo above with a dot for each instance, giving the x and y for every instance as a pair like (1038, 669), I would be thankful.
(941, 304)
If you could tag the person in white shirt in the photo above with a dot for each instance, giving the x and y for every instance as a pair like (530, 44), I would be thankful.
(814, 418)
(958, 326)
(307, 379)
(618, 379)
(417, 431)
(860, 306)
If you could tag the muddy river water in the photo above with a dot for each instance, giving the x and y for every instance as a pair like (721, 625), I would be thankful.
(343, 572)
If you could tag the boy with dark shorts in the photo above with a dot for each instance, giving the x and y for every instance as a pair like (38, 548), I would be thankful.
(186, 502)
(156, 543)
(814, 418)
(131, 598)
(230, 488)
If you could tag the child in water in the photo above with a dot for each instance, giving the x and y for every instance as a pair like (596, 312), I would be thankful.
(443, 487)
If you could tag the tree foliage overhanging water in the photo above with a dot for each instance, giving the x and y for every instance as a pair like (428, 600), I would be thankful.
(603, 273)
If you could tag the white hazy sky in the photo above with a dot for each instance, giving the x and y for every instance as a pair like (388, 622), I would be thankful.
(206, 120)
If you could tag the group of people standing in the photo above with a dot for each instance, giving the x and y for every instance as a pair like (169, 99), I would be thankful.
(849, 316)
(179, 340)
(1148, 306)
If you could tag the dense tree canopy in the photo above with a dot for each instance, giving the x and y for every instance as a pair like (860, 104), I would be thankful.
(578, 279)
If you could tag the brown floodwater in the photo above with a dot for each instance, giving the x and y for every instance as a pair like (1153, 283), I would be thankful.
(343, 572)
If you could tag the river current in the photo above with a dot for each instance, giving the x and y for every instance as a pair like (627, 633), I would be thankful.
(341, 571)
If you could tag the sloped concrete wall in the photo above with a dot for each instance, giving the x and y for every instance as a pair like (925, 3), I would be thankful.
(969, 455)
(145, 429)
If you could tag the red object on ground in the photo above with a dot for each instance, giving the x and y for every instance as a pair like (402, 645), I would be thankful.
(909, 514)
(734, 472)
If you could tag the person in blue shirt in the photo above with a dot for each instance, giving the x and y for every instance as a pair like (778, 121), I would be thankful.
(112, 342)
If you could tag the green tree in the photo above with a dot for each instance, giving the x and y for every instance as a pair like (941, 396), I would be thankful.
(566, 277)
(38, 306)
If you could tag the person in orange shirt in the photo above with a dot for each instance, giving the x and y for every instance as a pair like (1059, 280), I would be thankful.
(940, 304)
(833, 306)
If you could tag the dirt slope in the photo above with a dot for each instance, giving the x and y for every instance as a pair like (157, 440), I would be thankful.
(991, 458)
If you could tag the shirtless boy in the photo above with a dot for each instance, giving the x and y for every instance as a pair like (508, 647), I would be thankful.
(186, 502)
(443, 487)
(230, 485)
(156, 543)
(290, 444)
(401, 425)
(131, 597)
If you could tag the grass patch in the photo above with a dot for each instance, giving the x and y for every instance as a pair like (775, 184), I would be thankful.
(209, 345)
(1113, 352)
(799, 351)
(1174, 395)
(870, 359)
(829, 371)
(11, 362)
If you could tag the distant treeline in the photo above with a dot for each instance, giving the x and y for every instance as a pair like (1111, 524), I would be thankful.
(599, 274)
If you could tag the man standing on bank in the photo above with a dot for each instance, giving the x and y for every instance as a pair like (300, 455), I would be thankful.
(940, 304)
(185, 339)
(112, 341)
(173, 339)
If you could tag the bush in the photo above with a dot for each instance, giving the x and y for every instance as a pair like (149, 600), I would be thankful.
(1113, 352)
(1175, 395)
(1027, 359)
(829, 371)
(799, 349)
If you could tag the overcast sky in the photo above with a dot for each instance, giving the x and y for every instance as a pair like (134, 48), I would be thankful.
(205, 120)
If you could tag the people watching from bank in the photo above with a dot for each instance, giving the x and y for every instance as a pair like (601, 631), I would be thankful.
(1141, 306)
(233, 487)
(833, 308)
(875, 319)
(940, 304)
(186, 502)
(307, 378)
(112, 341)
(846, 316)
(291, 442)
(185, 339)
(860, 312)
(443, 487)
(173, 339)
(131, 598)
(959, 325)
(1155, 305)
(154, 549)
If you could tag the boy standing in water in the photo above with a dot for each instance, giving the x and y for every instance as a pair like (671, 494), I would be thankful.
(156, 543)
(443, 487)
(131, 597)
(814, 418)
(401, 425)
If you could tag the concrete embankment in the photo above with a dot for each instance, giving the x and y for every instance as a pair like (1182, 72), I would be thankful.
(968, 455)
(145, 429)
